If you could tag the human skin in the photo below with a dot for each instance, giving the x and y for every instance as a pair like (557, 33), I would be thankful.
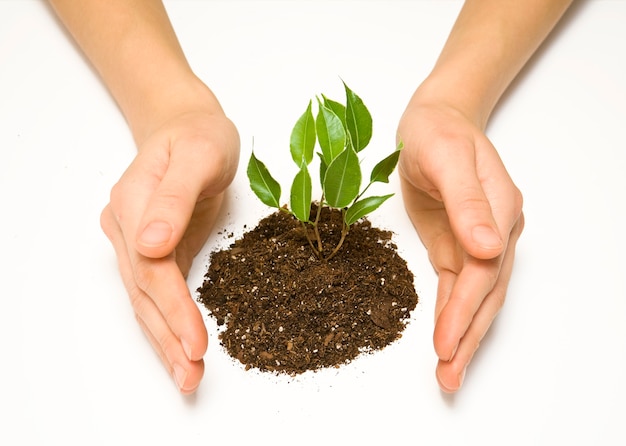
(163, 207)
(456, 190)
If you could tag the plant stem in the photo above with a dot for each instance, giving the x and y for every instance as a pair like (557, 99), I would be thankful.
(306, 234)
(344, 231)
(362, 192)
(316, 225)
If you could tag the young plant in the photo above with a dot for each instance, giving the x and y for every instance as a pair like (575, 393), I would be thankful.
(342, 132)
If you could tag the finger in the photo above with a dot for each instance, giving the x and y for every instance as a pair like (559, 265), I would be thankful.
(194, 173)
(475, 281)
(445, 285)
(162, 281)
(186, 374)
(450, 374)
(182, 358)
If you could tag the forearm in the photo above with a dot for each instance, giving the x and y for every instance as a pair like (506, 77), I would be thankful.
(488, 45)
(134, 48)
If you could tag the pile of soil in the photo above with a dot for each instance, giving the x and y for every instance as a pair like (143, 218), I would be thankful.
(282, 309)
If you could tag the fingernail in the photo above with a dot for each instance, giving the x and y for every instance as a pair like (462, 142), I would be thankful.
(486, 237)
(462, 376)
(453, 352)
(180, 375)
(186, 348)
(156, 233)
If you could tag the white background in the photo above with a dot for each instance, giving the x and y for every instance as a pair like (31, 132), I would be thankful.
(76, 369)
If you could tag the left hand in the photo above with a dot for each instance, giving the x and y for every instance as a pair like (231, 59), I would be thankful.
(159, 217)
(468, 214)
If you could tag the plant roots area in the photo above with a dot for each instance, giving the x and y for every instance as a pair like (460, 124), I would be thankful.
(282, 309)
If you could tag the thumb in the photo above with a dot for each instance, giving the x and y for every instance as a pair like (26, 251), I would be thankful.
(468, 207)
(171, 206)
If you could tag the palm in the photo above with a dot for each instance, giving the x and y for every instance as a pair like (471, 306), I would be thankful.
(198, 231)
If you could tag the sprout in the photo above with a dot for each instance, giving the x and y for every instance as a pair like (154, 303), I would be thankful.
(342, 132)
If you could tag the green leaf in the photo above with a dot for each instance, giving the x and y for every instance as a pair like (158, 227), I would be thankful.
(363, 207)
(343, 179)
(301, 194)
(337, 107)
(302, 140)
(323, 168)
(358, 120)
(383, 169)
(330, 133)
(262, 183)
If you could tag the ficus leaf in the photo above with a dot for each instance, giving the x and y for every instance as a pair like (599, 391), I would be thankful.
(358, 120)
(384, 168)
(343, 179)
(262, 183)
(302, 140)
(337, 107)
(301, 194)
(330, 133)
(363, 207)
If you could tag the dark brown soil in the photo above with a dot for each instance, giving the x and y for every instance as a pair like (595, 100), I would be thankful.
(282, 309)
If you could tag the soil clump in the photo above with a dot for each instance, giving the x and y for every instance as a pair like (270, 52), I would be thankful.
(282, 309)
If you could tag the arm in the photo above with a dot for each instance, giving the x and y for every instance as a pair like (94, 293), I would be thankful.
(134, 48)
(456, 190)
(489, 44)
(163, 207)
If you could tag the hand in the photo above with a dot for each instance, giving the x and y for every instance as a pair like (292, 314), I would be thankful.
(160, 215)
(468, 214)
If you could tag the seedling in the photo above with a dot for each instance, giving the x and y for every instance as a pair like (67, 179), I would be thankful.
(342, 132)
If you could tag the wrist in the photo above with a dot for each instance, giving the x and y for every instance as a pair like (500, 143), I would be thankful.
(163, 102)
(464, 98)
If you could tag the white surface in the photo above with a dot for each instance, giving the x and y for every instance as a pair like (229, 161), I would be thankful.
(76, 368)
